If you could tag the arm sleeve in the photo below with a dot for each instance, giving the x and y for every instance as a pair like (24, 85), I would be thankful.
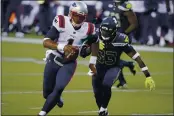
(92, 39)
(128, 48)
(53, 33)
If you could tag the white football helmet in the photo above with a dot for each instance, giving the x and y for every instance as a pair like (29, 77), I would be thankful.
(78, 12)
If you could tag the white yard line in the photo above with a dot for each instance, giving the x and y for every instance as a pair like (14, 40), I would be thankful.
(37, 61)
(35, 108)
(153, 114)
(84, 112)
(77, 74)
(86, 91)
(39, 41)
(22, 40)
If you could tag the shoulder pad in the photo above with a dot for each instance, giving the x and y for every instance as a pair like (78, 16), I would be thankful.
(59, 22)
(126, 6)
(122, 38)
(91, 29)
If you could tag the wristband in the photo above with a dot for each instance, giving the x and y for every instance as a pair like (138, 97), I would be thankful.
(135, 56)
(144, 68)
(45, 39)
(147, 75)
(93, 60)
(60, 47)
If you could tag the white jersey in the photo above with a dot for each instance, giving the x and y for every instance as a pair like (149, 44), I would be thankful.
(138, 6)
(67, 32)
(162, 7)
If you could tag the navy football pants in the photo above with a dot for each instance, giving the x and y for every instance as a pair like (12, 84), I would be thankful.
(102, 83)
(56, 78)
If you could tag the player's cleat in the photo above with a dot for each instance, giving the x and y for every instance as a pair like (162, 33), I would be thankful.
(114, 87)
(60, 103)
(42, 113)
(162, 42)
(124, 86)
(19, 34)
(103, 113)
(132, 68)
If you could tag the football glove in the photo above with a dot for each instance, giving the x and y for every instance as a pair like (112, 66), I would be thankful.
(85, 51)
(90, 73)
(149, 83)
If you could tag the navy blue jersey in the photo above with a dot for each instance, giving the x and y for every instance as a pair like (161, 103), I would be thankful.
(118, 11)
(110, 52)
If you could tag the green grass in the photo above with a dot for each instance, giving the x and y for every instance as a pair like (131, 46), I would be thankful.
(27, 77)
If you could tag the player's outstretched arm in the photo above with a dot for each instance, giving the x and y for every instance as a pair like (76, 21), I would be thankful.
(149, 82)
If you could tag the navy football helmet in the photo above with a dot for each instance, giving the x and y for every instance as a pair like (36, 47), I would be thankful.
(108, 28)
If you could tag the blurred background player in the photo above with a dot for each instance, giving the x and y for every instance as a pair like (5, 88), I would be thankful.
(13, 7)
(163, 23)
(127, 22)
(29, 16)
(44, 16)
(111, 45)
(32, 18)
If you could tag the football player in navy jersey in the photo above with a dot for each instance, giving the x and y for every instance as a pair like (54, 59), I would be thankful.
(127, 23)
(106, 68)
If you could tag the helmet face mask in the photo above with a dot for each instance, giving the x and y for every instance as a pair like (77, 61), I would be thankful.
(78, 12)
(77, 18)
(108, 28)
(107, 35)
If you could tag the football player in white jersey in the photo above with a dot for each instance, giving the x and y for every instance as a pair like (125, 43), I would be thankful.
(68, 37)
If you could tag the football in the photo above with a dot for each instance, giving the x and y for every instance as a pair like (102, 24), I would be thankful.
(70, 56)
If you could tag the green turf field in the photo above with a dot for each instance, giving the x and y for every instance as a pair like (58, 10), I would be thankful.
(22, 69)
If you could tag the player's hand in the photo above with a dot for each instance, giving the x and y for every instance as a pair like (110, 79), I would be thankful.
(92, 69)
(149, 83)
(68, 48)
(90, 73)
